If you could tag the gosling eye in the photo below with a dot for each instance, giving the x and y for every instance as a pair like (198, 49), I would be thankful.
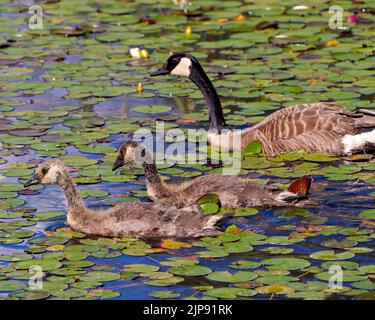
(45, 170)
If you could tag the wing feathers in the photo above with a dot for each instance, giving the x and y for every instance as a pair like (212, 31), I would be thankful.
(316, 127)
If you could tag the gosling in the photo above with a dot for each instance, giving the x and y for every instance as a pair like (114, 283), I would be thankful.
(144, 220)
(232, 191)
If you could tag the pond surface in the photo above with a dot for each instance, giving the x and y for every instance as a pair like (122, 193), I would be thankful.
(70, 90)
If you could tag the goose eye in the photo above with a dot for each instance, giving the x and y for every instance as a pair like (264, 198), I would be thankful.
(45, 170)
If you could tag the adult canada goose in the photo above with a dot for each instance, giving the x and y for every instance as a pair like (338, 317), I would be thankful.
(233, 192)
(317, 127)
(147, 220)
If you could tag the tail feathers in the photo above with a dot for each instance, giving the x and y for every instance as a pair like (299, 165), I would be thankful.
(300, 186)
(297, 190)
(358, 142)
(366, 122)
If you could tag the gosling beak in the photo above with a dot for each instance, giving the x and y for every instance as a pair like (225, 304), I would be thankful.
(160, 72)
(118, 164)
(34, 180)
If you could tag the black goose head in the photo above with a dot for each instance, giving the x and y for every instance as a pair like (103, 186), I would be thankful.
(186, 65)
(178, 64)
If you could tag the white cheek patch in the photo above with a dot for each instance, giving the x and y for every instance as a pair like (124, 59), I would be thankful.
(183, 68)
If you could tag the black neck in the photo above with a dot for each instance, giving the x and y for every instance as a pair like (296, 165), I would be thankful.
(215, 111)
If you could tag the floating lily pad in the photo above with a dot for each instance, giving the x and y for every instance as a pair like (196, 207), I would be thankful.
(331, 255)
(230, 293)
(152, 109)
(226, 276)
(164, 294)
(190, 270)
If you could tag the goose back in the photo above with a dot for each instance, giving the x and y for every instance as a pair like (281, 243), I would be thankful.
(316, 127)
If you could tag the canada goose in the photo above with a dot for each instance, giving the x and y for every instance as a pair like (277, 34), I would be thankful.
(317, 127)
(146, 220)
(233, 192)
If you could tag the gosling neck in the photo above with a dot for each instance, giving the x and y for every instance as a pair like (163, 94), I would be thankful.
(155, 184)
(76, 206)
(215, 111)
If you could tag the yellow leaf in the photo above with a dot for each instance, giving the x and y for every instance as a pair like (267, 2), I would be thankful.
(332, 43)
(57, 20)
(222, 20)
(233, 229)
(240, 18)
(188, 30)
(56, 247)
(275, 289)
(171, 244)
(188, 121)
(156, 250)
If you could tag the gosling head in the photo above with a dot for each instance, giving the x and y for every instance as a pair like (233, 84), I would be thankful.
(178, 64)
(47, 172)
(132, 152)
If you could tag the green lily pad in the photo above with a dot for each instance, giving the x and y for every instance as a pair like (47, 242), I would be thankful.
(152, 109)
(190, 270)
(11, 285)
(230, 293)
(100, 276)
(226, 276)
(44, 264)
(331, 255)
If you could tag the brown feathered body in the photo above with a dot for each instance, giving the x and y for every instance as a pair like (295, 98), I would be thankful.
(316, 127)
(146, 220)
(232, 191)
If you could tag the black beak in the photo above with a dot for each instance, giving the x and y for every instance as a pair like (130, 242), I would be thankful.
(160, 72)
(34, 180)
(118, 164)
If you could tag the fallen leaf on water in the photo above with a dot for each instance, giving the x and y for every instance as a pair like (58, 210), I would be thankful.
(332, 43)
(240, 18)
(56, 247)
(222, 20)
(171, 244)
(188, 121)
(275, 289)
